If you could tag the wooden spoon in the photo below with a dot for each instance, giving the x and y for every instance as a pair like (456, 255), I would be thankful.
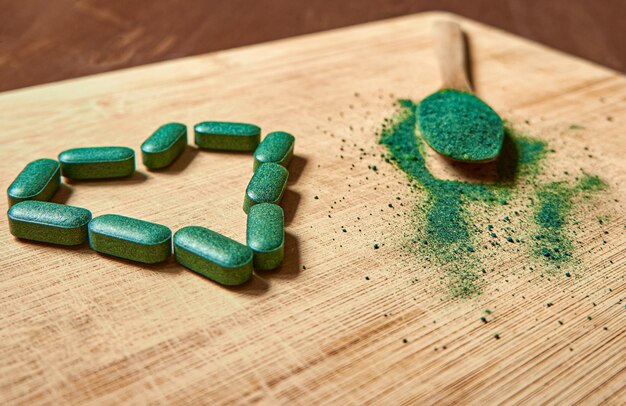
(453, 121)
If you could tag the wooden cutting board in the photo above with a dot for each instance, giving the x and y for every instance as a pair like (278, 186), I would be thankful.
(78, 327)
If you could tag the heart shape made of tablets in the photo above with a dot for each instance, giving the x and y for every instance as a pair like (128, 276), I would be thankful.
(222, 259)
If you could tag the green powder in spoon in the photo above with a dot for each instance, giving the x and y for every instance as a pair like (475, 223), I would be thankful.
(461, 126)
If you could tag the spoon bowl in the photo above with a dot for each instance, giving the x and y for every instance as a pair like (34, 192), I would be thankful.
(453, 121)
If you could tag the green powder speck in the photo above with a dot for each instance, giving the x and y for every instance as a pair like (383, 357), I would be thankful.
(591, 183)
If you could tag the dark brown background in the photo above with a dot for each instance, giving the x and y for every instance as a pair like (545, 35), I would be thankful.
(48, 40)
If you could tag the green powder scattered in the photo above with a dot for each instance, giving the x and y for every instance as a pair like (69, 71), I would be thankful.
(460, 125)
(445, 229)
(591, 183)
(448, 234)
(555, 203)
(554, 198)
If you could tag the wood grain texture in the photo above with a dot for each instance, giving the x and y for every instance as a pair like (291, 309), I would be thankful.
(78, 327)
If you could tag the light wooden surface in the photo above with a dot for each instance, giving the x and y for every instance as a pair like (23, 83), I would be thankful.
(77, 327)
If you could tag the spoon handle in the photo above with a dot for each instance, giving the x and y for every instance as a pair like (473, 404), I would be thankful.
(450, 50)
